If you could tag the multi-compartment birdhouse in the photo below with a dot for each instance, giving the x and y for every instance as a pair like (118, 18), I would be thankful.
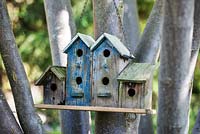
(109, 57)
(78, 82)
(53, 81)
(133, 89)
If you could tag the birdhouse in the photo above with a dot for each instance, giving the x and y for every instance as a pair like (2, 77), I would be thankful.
(53, 82)
(78, 85)
(110, 56)
(133, 89)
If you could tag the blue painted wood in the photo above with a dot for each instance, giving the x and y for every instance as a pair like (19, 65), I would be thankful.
(105, 95)
(78, 68)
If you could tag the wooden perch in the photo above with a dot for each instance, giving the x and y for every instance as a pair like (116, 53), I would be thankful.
(99, 109)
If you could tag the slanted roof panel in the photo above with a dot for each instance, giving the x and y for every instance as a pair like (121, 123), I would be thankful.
(120, 47)
(137, 72)
(88, 40)
(58, 71)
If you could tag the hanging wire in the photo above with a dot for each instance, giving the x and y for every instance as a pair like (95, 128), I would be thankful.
(83, 10)
(120, 21)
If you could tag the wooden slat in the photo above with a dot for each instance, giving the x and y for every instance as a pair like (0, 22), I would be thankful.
(92, 108)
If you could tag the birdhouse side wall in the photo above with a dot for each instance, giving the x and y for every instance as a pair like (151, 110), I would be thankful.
(78, 88)
(148, 95)
(106, 67)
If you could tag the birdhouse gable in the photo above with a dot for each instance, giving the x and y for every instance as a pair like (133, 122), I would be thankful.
(113, 42)
(58, 71)
(136, 72)
(87, 40)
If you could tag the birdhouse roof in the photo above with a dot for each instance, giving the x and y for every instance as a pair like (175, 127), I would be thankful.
(88, 40)
(138, 72)
(115, 42)
(58, 71)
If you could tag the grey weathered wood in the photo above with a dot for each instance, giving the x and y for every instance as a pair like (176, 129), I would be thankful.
(96, 108)
(174, 93)
(107, 67)
(8, 123)
(28, 118)
(53, 77)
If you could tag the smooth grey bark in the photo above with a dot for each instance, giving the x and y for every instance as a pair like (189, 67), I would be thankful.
(148, 51)
(29, 120)
(8, 123)
(149, 45)
(194, 54)
(107, 20)
(61, 28)
(196, 129)
(174, 83)
(131, 24)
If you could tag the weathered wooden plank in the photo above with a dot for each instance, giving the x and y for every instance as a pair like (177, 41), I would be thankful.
(94, 108)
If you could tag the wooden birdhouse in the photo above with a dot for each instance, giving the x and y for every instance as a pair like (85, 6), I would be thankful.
(78, 85)
(53, 82)
(133, 89)
(110, 56)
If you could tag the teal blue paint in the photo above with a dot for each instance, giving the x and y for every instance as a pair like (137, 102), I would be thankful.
(78, 94)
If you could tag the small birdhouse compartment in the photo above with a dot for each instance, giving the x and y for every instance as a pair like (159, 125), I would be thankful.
(78, 85)
(53, 82)
(133, 91)
(110, 56)
(131, 94)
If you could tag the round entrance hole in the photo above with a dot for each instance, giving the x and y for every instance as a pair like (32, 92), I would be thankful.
(131, 92)
(53, 87)
(106, 53)
(105, 80)
(79, 52)
(78, 80)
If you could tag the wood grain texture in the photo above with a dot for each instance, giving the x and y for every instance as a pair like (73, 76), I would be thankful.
(78, 70)
(95, 108)
(106, 67)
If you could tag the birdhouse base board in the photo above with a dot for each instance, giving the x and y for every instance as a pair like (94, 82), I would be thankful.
(95, 108)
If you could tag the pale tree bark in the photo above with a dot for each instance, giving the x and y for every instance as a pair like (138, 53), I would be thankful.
(30, 122)
(148, 52)
(195, 52)
(174, 84)
(8, 123)
(131, 24)
(61, 29)
(106, 20)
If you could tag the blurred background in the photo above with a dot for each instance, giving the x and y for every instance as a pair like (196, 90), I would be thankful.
(29, 25)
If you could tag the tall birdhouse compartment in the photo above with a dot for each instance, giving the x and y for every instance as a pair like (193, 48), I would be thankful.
(109, 56)
(78, 85)
(53, 82)
(133, 89)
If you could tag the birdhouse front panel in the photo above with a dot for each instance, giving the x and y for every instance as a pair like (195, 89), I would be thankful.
(54, 91)
(78, 74)
(106, 67)
(131, 95)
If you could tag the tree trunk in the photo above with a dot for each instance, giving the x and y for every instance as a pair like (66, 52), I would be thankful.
(107, 20)
(61, 28)
(131, 24)
(174, 93)
(148, 51)
(8, 123)
(28, 118)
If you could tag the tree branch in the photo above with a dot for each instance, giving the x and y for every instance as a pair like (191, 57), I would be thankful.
(8, 123)
(18, 80)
